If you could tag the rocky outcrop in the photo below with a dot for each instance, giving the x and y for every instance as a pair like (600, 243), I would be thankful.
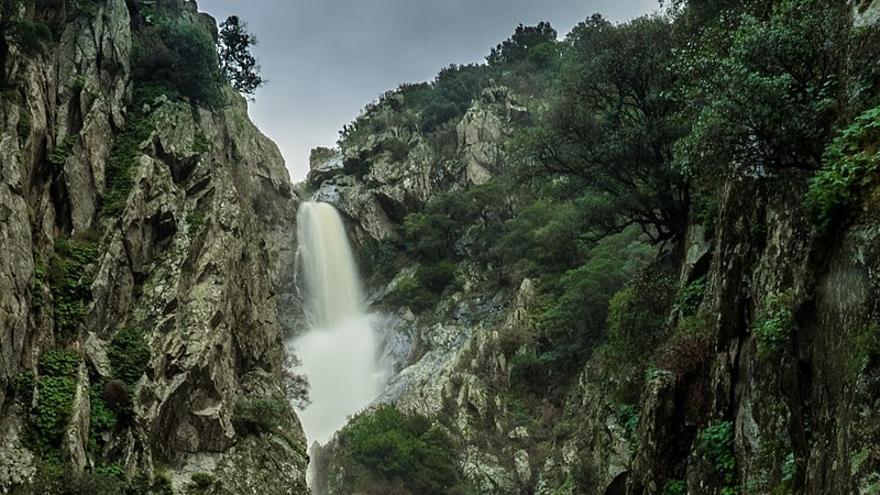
(376, 200)
(198, 259)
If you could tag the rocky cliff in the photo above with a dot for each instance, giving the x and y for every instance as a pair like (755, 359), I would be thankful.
(146, 274)
(763, 377)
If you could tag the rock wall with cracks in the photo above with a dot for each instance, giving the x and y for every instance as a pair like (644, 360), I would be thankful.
(199, 258)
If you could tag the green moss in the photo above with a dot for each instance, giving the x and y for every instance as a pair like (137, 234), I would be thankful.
(629, 417)
(422, 290)
(129, 355)
(58, 156)
(851, 163)
(25, 124)
(201, 143)
(775, 324)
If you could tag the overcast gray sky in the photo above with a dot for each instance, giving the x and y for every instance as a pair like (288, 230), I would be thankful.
(326, 59)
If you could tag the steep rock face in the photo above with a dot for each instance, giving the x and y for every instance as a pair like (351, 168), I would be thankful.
(376, 201)
(198, 258)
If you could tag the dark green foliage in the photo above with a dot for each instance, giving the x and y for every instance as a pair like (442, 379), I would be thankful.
(23, 387)
(674, 487)
(129, 355)
(178, 53)
(238, 64)
(851, 165)
(19, 28)
(629, 418)
(258, 416)
(196, 220)
(610, 129)
(689, 349)
(54, 479)
(523, 45)
(637, 314)
(529, 373)
(765, 87)
(127, 148)
(422, 290)
(865, 347)
(25, 124)
(58, 157)
(203, 481)
(389, 446)
(69, 283)
(715, 446)
(775, 324)
(101, 418)
(691, 297)
(56, 388)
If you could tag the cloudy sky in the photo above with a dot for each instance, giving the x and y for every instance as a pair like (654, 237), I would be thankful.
(326, 59)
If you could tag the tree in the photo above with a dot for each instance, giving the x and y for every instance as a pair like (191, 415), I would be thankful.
(766, 87)
(236, 60)
(18, 30)
(517, 47)
(609, 132)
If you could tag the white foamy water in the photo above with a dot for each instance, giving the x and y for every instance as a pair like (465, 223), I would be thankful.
(339, 353)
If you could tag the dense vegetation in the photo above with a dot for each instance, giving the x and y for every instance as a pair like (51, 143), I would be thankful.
(386, 451)
(634, 130)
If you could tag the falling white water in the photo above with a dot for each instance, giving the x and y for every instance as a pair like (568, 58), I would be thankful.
(339, 352)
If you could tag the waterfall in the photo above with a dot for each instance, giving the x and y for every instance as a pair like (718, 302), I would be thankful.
(339, 352)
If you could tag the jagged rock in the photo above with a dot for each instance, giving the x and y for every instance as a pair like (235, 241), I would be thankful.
(76, 435)
(200, 258)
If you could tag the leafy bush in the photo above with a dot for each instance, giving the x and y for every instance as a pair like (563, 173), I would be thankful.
(851, 163)
(179, 53)
(58, 157)
(129, 355)
(70, 283)
(202, 481)
(127, 148)
(257, 416)
(674, 487)
(523, 44)
(56, 388)
(637, 314)
(689, 349)
(775, 324)
(715, 446)
(422, 290)
(528, 373)
(23, 387)
(692, 296)
(389, 445)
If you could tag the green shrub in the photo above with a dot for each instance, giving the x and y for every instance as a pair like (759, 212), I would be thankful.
(674, 487)
(257, 416)
(637, 314)
(692, 296)
(129, 355)
(196, 220)
(202, 481)
(53, 408)
(179, 53)
(528, 373)
(69, 284)
(629, 417)
(23, 387)
(775, 324)
(689, 350)
(58, 157)
(422, 290)
(101, 418)
(127, 148)
(390, 445)
(850, 166)
(715, 446)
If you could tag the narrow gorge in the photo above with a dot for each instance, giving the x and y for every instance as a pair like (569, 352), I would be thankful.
(637, 258)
